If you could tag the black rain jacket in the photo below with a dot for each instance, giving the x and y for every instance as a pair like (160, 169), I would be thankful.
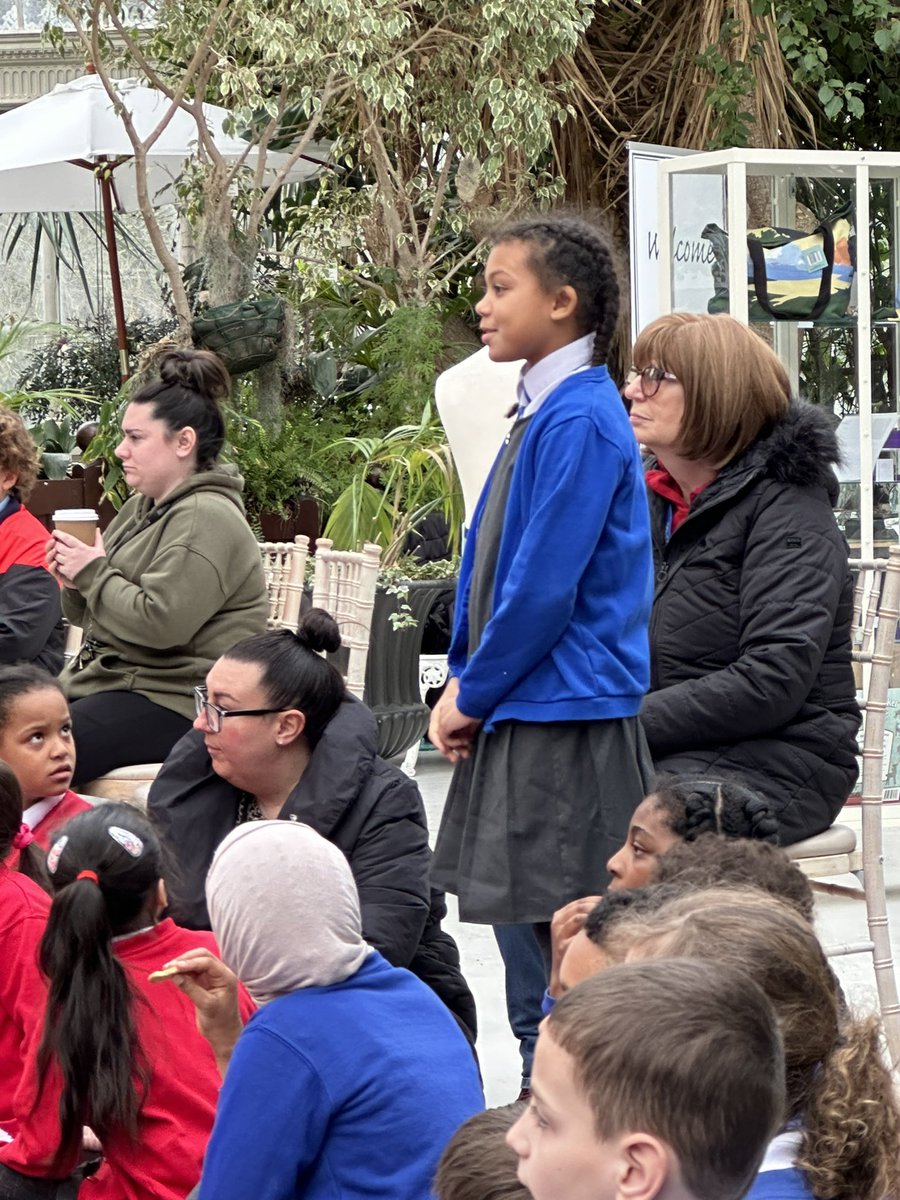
(367, 808)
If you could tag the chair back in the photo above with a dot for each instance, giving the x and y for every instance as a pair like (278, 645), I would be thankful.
(284, 564)
(875, 630)
(344, 585)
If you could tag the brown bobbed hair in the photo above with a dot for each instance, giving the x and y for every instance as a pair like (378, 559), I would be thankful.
(837, 1083)
(18, 453)
(735, 386)
(686, 1051)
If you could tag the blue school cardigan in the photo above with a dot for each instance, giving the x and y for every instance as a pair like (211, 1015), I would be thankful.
(574, 578)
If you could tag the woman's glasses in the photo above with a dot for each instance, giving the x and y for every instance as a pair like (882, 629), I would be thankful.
(651, 378)
(214, 715)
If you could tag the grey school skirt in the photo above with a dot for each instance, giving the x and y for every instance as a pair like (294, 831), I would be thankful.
(535, 812)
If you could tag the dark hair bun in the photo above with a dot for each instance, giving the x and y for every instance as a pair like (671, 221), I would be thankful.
(199, 371)
(761, 819)
(699, 812)
(318, 630)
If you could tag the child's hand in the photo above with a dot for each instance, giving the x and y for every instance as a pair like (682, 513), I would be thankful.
(213, 990)
(567, 922)
(450, 730)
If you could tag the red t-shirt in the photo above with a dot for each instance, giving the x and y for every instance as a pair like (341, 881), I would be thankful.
(23, 916)
(177, 1114)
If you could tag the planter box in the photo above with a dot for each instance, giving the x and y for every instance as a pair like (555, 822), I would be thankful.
(392, 668)
(305, 519)
(81, 490)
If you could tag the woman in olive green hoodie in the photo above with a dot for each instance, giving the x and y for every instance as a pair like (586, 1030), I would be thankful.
(176, 580)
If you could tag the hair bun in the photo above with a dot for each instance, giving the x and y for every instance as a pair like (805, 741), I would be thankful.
(761, 819)
(318, 630)
(199, 371)
(699, 814)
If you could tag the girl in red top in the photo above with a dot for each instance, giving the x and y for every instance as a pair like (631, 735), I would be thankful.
(117, 1053)
(36, 741)
(23, 915)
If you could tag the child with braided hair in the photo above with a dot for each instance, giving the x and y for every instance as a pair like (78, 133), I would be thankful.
(677, 809)
(549, 654)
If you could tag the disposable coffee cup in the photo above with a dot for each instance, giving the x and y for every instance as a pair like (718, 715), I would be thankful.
(79, 522)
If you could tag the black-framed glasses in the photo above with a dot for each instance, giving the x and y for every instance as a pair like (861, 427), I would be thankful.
(214, 715)
(651, 378)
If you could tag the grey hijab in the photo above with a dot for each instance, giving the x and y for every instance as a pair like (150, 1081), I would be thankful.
(285, 910)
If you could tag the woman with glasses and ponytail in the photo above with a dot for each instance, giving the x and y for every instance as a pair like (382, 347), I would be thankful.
(277, 736)
(115, 1051)
(750, 633)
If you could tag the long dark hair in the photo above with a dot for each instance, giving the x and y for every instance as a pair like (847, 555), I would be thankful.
(104, 866)
(16, 836)
(293, 673)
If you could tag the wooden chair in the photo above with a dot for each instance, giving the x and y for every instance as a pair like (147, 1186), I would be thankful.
(876, 610)
(344, 585)
(284, 564)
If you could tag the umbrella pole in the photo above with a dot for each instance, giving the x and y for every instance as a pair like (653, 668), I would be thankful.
(105, 174)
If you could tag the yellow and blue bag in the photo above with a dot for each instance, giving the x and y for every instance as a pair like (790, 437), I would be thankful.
(791, 275)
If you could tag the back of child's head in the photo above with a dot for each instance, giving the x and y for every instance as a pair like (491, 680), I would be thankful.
(695, 805)
(17, 844)
(105, 866)
(717, 861)
(19, 680)
(477, 1163)
(616, 906)
(685, 1051)
(837, 1083)
(568, 251)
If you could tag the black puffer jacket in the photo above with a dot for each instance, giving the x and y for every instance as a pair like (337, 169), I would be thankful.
(750, 633)
(367, 808)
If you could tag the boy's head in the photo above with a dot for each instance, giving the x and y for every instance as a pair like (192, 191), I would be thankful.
(717, 861)
(478, 1164)
(653, 1080)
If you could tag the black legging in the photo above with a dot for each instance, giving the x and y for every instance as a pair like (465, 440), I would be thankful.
(118, 729)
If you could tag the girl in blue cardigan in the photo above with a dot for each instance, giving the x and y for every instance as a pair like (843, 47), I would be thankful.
(549, 657)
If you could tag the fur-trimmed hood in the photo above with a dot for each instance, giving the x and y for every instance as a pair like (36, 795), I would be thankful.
(801, 450)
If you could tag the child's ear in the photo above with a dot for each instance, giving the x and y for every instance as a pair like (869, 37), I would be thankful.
(646, 1165)
(565, 302)
(162, 898)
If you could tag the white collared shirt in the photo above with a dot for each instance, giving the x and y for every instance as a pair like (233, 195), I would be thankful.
(537, 382)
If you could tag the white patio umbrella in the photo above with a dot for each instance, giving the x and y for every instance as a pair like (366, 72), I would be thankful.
(60, 152)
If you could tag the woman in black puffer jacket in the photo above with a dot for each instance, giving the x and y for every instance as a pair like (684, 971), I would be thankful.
(750, 633)
(277, 736)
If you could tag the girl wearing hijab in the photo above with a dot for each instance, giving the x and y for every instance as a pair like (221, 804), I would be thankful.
(352, 1076)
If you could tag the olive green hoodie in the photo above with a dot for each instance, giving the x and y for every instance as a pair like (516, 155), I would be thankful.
(180, 584)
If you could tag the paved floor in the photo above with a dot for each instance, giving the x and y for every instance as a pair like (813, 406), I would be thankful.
(840, 920)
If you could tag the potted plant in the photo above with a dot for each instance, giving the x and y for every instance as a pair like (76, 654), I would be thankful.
(407, 596)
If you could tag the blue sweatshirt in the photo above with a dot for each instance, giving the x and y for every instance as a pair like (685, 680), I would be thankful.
(573, 589)
(348, 1092)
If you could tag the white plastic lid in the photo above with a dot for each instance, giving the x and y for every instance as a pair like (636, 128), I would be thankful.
(76, 514)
